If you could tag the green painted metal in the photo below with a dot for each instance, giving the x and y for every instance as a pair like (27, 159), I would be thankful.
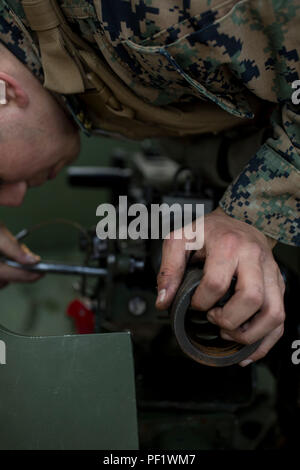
(67, 392)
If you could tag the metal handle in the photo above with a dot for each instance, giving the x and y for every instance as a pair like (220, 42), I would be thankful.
(57, 268)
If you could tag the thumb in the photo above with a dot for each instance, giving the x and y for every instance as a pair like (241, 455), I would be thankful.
(173, 264)
(10, 247)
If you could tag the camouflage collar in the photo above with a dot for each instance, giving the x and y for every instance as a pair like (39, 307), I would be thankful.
(16, 37)
(20, 41)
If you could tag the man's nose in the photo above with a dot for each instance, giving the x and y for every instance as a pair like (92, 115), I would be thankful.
(12, 194)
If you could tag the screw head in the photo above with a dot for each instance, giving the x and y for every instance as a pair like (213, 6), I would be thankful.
(137, 306)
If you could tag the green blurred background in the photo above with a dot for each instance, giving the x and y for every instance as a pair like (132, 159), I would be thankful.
(39, 308)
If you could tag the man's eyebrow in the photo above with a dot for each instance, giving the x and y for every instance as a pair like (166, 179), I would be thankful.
(1, 182)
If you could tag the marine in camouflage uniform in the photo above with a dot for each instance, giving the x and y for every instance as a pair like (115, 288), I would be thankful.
(224, 52)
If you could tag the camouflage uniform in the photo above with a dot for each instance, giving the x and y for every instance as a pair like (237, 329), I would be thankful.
(170, 51)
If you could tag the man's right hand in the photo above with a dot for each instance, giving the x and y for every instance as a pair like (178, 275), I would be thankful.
(11, 248)
(231, 248)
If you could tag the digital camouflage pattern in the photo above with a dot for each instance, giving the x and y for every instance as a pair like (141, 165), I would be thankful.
(172, 51)
(16, 37)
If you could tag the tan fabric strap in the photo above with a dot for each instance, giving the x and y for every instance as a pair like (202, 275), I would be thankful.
(62, 74)
(40, 15)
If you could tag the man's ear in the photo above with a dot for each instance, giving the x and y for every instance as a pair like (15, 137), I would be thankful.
(14, 91)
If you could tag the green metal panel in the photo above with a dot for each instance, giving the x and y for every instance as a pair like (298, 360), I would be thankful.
(67, 392)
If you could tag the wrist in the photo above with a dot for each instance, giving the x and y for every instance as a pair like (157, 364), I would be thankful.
(272, 242)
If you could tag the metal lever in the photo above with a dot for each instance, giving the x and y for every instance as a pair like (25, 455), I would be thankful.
(57, 268)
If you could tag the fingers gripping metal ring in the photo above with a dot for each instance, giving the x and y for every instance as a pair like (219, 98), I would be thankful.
(199, 339)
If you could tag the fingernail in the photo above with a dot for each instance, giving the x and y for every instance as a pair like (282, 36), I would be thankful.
(28, 256)
(161, 295)
(245, 363)
(225, 336)
(31, 258)
(210, 318)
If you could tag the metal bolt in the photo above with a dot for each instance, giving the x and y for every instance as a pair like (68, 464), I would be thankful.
(137, 306)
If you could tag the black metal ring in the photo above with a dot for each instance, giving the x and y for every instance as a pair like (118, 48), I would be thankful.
(232, 353)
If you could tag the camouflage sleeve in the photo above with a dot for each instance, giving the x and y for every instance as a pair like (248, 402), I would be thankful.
(266, 194)
(218, 50)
